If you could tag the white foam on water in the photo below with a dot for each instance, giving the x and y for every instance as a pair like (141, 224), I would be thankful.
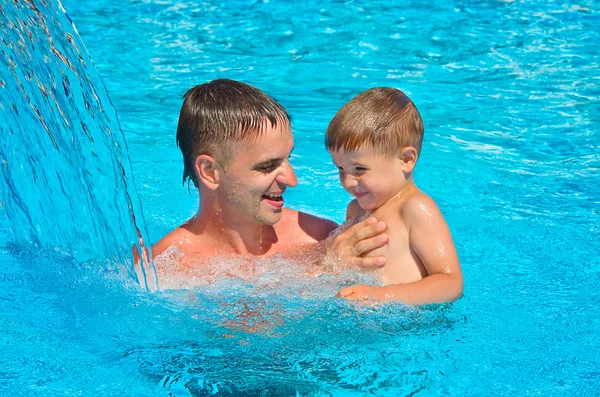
(307, 272)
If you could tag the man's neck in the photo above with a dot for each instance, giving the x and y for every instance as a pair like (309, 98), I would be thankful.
(231, 236)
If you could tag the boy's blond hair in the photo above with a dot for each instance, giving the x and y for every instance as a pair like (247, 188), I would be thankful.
(384, 119)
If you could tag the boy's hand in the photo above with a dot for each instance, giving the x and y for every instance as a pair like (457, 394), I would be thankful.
(360, 239)
(362, 291)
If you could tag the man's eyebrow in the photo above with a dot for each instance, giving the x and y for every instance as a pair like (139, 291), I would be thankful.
(274, 159)
(268, 162)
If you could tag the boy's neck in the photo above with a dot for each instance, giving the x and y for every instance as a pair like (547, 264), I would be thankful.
(404, 191)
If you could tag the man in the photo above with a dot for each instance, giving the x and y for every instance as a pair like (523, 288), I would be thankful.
(236, 142)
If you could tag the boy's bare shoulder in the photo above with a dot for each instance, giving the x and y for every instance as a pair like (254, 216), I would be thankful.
(418, 207)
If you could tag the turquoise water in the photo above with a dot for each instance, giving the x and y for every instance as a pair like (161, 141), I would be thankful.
(509, 95)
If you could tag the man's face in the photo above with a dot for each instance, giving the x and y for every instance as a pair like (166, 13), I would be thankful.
(253, 183)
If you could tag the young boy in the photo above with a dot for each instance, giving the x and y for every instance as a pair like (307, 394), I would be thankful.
(375, 141)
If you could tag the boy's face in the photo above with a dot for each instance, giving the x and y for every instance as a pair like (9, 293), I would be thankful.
(370, 177)
(253, 183)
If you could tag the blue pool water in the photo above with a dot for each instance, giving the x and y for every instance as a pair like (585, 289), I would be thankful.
(509, 94)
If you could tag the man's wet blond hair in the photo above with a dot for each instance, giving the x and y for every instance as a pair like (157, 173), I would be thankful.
(383, 119)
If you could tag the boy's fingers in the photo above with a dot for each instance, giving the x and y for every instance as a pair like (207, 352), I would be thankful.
(367, 245)
(369, 263)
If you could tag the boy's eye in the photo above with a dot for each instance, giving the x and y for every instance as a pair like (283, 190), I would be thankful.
(360, 169)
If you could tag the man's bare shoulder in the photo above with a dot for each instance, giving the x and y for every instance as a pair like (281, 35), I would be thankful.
(300, 226)
(180, 237)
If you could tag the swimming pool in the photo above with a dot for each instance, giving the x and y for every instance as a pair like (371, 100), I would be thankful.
(508, 92)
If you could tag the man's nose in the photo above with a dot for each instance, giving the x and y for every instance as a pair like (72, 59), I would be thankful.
(288, 176)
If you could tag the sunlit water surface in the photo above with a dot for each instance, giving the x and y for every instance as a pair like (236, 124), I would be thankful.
(509, 95)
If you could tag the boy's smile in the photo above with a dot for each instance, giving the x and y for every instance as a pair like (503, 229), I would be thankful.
(370, 177)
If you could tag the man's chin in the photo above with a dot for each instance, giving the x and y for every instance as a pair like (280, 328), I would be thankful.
(272, 218)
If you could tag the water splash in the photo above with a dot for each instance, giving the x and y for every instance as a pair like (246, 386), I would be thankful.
(66, 180)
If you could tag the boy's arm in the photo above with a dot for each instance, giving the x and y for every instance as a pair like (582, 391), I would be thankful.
(430, 238)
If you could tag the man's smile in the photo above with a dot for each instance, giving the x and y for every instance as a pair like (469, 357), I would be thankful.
(274, 199)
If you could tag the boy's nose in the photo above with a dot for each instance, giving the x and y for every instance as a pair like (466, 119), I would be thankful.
(348, 180)
(288, 176)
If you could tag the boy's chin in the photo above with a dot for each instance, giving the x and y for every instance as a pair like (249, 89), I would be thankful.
(369, 203)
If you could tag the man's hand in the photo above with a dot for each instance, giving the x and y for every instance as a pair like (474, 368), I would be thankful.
(362, 238)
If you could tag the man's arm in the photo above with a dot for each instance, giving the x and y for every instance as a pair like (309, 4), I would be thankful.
(431, 239)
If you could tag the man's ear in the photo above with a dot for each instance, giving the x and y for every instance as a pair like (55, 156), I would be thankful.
(209, 171)
(409, 157)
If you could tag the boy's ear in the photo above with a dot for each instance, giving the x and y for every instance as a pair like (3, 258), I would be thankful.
(409, 157)
(209, 171)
